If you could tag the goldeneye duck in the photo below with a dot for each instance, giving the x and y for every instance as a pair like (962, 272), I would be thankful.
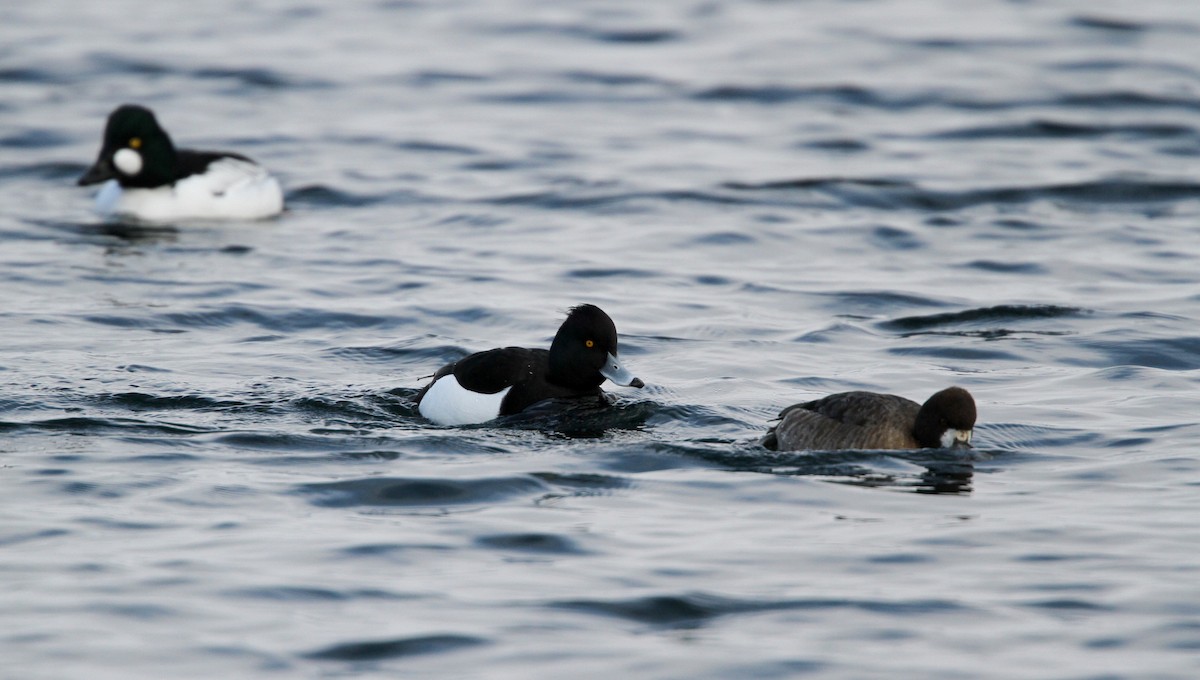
(147, 178)
(867, 420)
(504, 381)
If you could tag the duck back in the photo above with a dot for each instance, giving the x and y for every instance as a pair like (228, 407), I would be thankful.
(849, 420)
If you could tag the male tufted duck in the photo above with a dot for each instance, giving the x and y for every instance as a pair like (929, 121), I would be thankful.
(508, 380)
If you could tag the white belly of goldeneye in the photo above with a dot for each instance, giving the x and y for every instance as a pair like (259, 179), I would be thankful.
(449, 403)
(229, 189)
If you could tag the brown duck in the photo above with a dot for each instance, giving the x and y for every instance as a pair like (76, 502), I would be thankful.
(868, 420)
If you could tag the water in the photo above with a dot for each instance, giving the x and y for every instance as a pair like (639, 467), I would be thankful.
(211, 464)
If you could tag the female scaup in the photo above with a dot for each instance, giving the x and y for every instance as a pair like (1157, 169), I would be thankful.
(504, 381)
(148, 179)
(867, 420)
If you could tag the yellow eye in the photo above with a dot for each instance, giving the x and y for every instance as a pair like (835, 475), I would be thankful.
(590, 344)
(135, 143)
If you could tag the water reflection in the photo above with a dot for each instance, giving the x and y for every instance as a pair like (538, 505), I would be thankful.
(111, 233)
(130, 233)
(927, 471)
(585, 418)
(936, 478)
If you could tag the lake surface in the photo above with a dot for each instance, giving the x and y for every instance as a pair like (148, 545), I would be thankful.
(211, 465)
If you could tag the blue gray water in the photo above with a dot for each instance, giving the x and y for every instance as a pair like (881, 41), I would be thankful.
(211, 466)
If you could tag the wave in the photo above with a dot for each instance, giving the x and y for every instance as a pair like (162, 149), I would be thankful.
(1170, 354)
(260, 78)
(981, 315)
(35, 138)
(696, 608)
(891, 194)
(876, 301)
(558, 200)
(377, 650)
(257, 77)
(141, 401)
(615, 79)
(326, 196)
(852, 95)
(99, 425)
(783, 94)
(997, 267)
(593, 33)
(53, 171)
(283, 320)
(416, 492)
(36, 76)
(1051, 129)
(538, 543)
(1108, 23)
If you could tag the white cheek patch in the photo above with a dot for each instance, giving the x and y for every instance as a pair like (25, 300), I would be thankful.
(448, 403)
(128, 162)
(954, 437)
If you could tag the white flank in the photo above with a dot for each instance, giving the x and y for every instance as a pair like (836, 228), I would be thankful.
(128, 161)
(231, 189)
(448, 403)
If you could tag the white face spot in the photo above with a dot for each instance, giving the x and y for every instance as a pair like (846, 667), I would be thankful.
(128, 162)
(952, 437)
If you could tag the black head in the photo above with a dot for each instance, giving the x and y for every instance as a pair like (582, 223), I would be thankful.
(137, 152)
(946, 419)
(584, 351)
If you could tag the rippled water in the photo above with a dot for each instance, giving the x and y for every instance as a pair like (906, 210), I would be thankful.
(212, 467)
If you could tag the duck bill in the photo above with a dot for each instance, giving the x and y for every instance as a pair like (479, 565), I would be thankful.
(957, 439)
(101, 171)
(614, 371)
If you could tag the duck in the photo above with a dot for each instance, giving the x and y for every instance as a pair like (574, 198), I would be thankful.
(146, 178)
(869, 420)
(507, 380)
